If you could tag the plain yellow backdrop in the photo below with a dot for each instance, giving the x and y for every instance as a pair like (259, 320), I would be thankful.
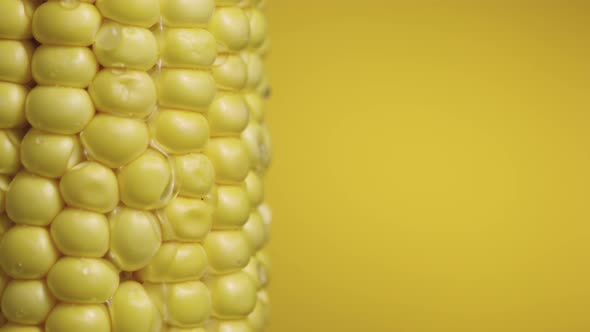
(431, 165)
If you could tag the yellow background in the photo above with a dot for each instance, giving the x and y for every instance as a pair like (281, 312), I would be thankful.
(431, 165)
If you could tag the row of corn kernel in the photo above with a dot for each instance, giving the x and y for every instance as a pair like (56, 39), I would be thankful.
(256, 137)
(233, 292)
(16, 50)
(179, 129)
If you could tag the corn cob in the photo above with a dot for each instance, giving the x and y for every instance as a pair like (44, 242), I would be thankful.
(132, 153)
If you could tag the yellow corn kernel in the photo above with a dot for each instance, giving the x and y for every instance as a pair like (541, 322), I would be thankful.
(227, 115)
(258, 27)
(15, 66)
(181, 329)
(255, 188)
(5, 224)
(27, 252)
(59, 110)
(230, 326)
(264, 270)
(253, 270)
(26, 188)
(13, 98)
(132, 310)
(50, 155)
(186, 13)
(143, 13)
(185, 219)
(67, 23)
(230, 72)
(227, 251)
(255, 69)
(90, 186)
(135, 238)
(115, 141)
(4, 183)
(81, 233)
(83, 280)
(229, 156)
(123, 92)
(255, 106)
(178, 132)
(123, 46)
(78, 317)
(10, 152)
(231, 28)
(175, 262)
(147, 182)
(232, 295)
(255, 231)
(194, 174)
(191, 90)
(252, 139)
(27, 301)
(64, 65)
(185, 304)
(258, 318)
(186, 48)
(232, 208)
(12, 327)
(16, 19)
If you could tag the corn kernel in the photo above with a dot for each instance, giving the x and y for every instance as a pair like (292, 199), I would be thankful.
(255, 69)
(66, 23)
(258, 317)
(255, 188)
(258, 27)
(12, 327)
(83, 280)
(230, 72)
(191, 90)
(127, 93)
(187, 48)
(147, 182)
(255, 106)
(9, 152)
(12, 103)
(255, 231)
(186, 13)
(185, 219)
(132, 310)
(59, 110)
(115, 141)
(194, 174)
(75, 317)
(4, 183)
(230, 326)
(264, 271)
(81, 233)
(27, 301)
(253, 270)
(5, 225)
(179, 131)
(181, 329)
(64, 65)
(50, 155)
(143, 13)
(252, 138)
(231, 28)
(15, 66)
(227, 251)
(90, 186)
(26, 188)
(266, 148)
(228, 115)
(230, 159)
(27, 252)
(232, 295)
(176, 262)
(16, 20)
(185, 304)
(232, 209)
(135, 238)
(122, 46)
